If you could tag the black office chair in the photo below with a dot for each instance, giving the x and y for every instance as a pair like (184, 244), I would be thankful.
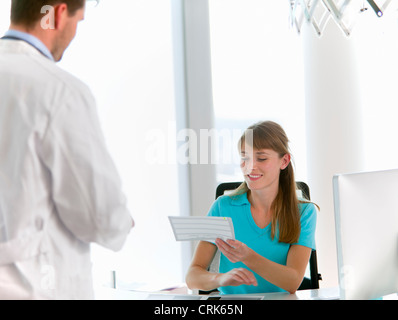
(315, 277)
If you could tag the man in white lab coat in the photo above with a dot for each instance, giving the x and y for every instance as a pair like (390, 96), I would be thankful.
(59, 189)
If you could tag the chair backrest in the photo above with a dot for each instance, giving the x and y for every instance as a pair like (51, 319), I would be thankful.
(230, 186)
(308, 283)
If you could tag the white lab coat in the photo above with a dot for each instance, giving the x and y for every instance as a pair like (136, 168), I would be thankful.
(59, 189)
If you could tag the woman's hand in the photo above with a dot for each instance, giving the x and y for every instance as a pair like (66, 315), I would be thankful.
(234, 250)
(237, 277)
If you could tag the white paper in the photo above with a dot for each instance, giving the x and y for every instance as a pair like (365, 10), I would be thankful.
(202, 228)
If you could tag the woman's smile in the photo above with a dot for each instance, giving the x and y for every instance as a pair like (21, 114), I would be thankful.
(254, 177)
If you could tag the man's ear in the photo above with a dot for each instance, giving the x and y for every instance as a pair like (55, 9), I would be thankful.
(60, 15)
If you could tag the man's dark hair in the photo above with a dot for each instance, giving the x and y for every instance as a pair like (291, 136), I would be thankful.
(28, 12)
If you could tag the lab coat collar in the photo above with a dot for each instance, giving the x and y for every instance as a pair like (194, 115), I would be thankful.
(32, 40)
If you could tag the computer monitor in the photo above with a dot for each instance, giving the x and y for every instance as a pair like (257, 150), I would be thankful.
(366, 215)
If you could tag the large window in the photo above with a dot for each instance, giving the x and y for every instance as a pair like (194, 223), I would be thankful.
(128, 62)
(257, 73)
(4, 16)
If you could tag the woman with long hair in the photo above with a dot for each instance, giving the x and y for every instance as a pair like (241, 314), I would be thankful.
(274, 230)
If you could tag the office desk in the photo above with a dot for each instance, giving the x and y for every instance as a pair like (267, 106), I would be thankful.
(115, 294)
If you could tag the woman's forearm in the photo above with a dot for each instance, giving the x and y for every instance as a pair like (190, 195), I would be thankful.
(284, 277)
(201, 279)
(287, 277)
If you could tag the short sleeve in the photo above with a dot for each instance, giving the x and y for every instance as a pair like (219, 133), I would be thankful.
(308, 225)
(214, 210)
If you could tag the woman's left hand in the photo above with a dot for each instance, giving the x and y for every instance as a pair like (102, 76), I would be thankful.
(234, 250)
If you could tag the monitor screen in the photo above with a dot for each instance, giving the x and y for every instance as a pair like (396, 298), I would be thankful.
(366, 215)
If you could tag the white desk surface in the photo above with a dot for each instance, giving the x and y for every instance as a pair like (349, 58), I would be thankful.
(119, 294)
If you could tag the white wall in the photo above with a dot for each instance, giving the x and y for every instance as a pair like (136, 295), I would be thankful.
(334, 129)
(351, 111)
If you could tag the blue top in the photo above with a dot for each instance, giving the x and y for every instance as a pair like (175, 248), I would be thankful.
(32, 40)
(258, 239)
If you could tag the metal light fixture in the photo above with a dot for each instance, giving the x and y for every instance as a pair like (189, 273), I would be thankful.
(343, 12)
